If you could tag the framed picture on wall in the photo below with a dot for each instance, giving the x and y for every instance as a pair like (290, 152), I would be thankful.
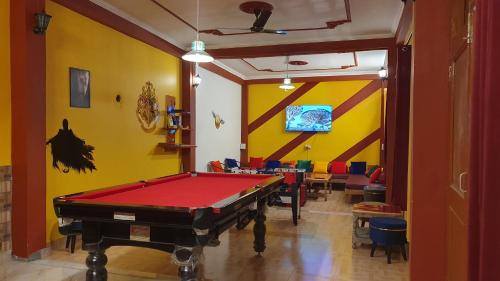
(79, 87)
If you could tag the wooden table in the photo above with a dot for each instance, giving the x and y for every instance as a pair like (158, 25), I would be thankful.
(361, 212)
(322, 179)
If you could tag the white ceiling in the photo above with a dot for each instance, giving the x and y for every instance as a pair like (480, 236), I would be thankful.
(370, 19)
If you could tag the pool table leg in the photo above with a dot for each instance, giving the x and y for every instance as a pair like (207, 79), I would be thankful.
(96, 264)
(187, 259)
(259, 229)
(295, 203)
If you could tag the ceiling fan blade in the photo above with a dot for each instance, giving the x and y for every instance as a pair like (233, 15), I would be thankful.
(273, 31)
(232, 28)
(261, 20)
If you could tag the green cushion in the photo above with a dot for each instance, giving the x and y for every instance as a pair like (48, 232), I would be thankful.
(370, 172)
(304, 164)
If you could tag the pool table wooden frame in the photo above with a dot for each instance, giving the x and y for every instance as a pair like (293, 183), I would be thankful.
(182, 231)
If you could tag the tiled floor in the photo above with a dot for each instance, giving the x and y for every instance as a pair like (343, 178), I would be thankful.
(319, 249)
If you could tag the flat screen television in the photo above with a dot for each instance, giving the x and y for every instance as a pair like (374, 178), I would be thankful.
(309, 118)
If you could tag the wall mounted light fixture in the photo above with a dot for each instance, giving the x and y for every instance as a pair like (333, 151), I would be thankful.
(196, 80)
(383, 73)
(42, 23)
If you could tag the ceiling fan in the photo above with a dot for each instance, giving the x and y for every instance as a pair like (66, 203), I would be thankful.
(262, 12)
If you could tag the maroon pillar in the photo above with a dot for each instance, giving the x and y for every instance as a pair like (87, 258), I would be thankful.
(390, 122)
(401, 133)
(28, 129)
(244, 124)
(188, 98)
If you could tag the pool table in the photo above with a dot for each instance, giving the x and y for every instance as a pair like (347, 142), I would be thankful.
(178, 214)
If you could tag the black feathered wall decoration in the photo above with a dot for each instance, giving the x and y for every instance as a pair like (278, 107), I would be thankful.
(71, 151)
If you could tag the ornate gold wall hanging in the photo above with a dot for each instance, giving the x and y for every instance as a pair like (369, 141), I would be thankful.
(148, 108)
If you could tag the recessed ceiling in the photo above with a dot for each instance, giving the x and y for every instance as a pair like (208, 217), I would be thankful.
(323, 20)
(365, 62)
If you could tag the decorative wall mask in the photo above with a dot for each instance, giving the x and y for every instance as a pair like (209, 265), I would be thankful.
(148, 108)
(218, 120)
(71, 151)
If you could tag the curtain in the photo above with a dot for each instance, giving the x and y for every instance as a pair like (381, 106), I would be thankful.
(484, 221)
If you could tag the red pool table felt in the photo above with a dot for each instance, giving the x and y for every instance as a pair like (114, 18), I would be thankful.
(202, 190)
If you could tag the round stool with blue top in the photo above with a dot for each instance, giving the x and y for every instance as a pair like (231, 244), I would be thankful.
(388, 232)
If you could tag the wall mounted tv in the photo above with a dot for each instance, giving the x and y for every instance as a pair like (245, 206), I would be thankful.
(309, 118)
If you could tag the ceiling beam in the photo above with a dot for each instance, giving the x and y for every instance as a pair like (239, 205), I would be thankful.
(404, 26)
(303, 48)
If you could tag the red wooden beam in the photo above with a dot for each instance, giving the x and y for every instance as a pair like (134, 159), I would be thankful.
(188, 98)
(303, 48)
(404, 23)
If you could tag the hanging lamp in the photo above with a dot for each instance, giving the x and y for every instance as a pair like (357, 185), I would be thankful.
(287, 82)
(197, 53)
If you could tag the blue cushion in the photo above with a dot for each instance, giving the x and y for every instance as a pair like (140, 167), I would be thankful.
(358, 168)
(273, 164)
(388, 231)
(231, 163)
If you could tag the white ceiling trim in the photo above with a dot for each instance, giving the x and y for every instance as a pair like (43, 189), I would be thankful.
(136, 21)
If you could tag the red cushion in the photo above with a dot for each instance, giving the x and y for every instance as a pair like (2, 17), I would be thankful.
(339, 167)
(256, 162)
(375, 175)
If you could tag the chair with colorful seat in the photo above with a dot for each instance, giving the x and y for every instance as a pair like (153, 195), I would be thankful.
(231, 164)
(215, 166)
(256, 163)
(289, 194)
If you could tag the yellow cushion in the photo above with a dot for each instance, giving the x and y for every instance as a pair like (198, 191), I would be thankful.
(320, 167)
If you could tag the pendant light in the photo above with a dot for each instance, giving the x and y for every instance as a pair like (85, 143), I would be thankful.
(197, 53)
(287, 82)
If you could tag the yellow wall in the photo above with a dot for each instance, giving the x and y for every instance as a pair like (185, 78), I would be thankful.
(5, 125)
(348, 130)
(118, 65)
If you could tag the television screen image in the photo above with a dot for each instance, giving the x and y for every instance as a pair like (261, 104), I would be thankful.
(309, 118)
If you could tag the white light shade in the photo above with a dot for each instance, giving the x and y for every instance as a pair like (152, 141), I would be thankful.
(196, 80)
(382, 73)
(287, 84)
(197, 53)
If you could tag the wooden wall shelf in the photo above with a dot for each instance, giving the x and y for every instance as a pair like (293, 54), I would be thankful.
(175, 146)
